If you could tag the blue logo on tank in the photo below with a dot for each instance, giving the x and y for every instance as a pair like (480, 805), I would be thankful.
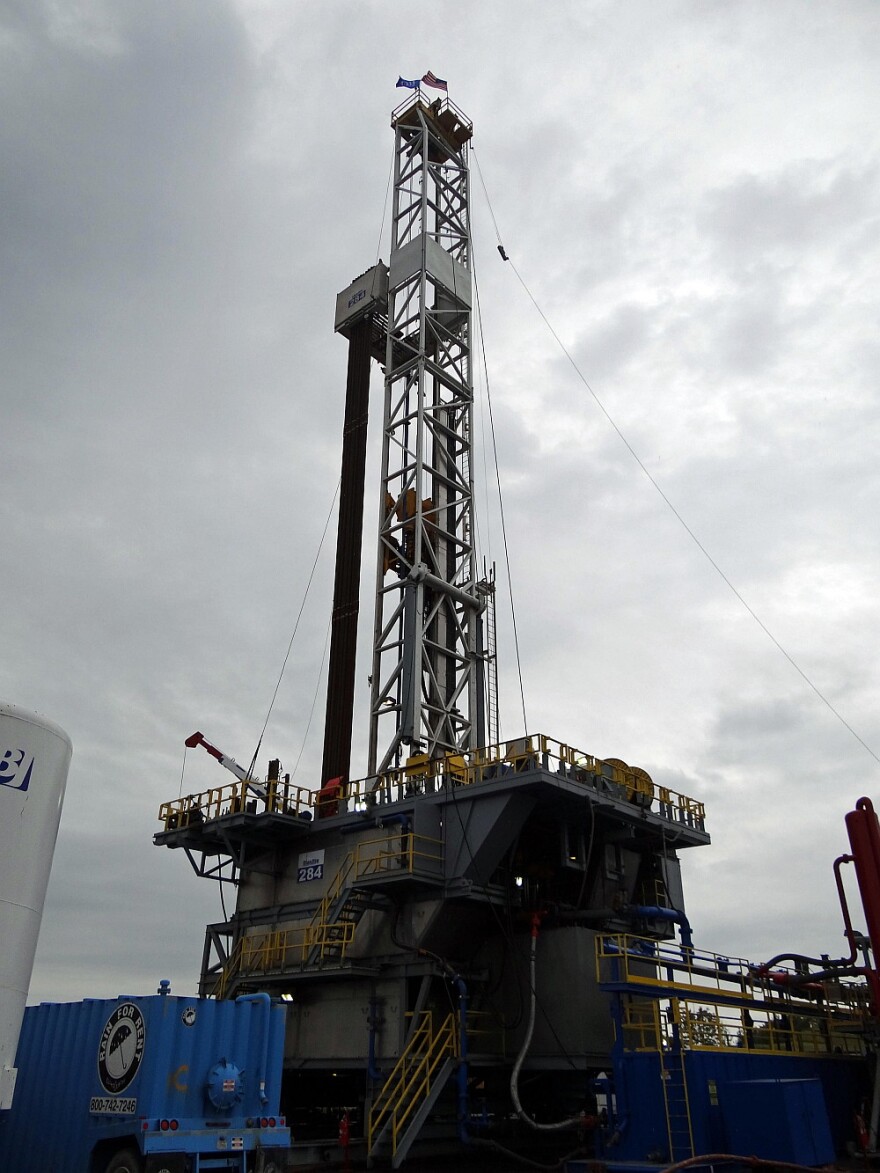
(15, 769)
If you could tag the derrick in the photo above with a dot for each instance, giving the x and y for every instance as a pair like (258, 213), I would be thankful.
(425, 674)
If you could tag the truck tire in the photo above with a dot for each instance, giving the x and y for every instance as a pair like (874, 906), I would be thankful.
(125, 1161)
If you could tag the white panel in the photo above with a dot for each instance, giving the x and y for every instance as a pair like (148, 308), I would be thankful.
(34, 759)
(407, 261)
(366, 294)
(453, 276)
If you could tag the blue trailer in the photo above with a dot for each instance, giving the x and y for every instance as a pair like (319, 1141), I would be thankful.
(158, 1084)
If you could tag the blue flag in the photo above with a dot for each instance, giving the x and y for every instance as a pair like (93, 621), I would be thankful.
(410, 85)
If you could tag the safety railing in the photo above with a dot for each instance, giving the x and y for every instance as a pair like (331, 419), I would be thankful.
(713, 1002)
(403, 852)
(682, 1024)
(432, 108)
(411, 1080)
(760, 1029)
(280, 797)
(281, 950)
(626, 957)
(423, 775)
(331, 929)
(640, 1024)
(486, 1034)
(635, 960)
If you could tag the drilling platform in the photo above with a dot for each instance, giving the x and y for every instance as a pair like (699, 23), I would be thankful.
(433, 921)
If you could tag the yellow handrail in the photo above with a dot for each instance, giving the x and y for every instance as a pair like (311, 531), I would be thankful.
(409, 1083)
(422, 775)
(276, 949)
(724, 1003)
(281, 797)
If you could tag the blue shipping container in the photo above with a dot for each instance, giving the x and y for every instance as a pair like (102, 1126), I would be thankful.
(778, 1119)
(182, 1084)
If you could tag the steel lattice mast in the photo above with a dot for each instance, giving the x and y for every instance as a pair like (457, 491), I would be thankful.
(426, 681)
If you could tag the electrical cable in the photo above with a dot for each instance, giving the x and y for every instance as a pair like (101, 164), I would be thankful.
(182, 769)
(295, 628)
(385, 206)
(223, 902)
(493, 716)
(407, 947)
(485, 1142)
(485, 477)
(486, 193)
(507, 939)
(727, 1158)
(558, 1125)
(314, 699)
(449, 969)
(589, 853)
(678, 516)
(501, 504)
(506, 932)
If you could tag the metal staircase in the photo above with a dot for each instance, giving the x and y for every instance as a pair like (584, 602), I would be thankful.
(325, 938)
(412, 1089)
(342, 906)
(333, 926)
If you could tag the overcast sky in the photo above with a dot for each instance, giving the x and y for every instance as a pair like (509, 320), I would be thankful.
(690, 193)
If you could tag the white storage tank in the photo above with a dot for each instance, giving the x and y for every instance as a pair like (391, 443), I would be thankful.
(34, 759)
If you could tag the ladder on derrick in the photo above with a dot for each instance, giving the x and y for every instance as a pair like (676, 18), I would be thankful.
(486, 588)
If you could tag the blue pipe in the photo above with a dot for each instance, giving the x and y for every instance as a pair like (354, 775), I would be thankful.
(387, 820)
(464, 1110)
(264, 999)
(619, 1119)
(372, 1070)
(655, 912)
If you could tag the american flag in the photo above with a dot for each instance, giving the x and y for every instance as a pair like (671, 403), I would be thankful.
(437, 82)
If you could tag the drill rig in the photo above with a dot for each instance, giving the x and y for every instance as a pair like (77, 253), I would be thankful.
(433, 923)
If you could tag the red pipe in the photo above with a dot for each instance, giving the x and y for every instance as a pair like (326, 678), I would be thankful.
(864, 836)
(849, 932)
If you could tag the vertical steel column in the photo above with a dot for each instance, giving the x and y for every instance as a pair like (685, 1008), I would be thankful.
(349, 535)
(427, 603)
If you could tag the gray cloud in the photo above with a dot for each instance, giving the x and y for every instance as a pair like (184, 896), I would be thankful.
(694, 211)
